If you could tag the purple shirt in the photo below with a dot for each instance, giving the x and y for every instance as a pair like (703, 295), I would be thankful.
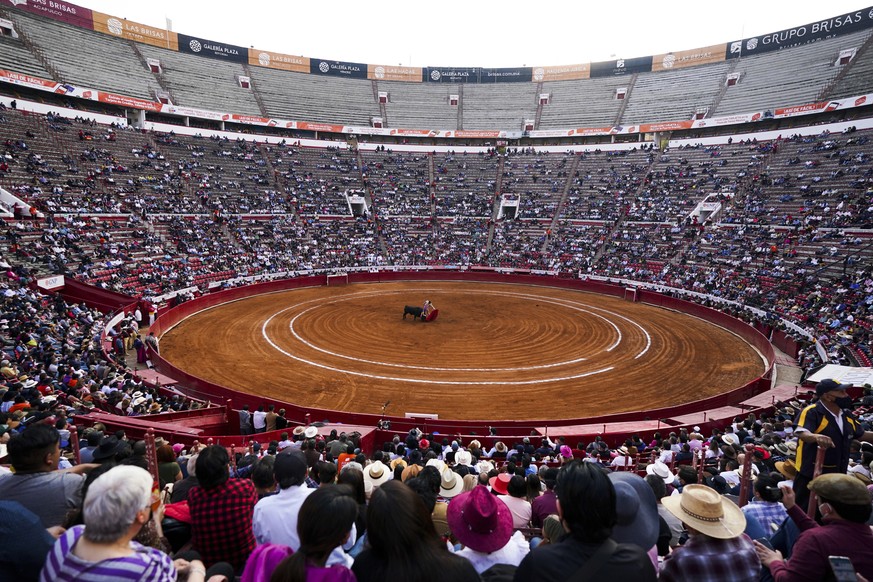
(542, 507)
(144, 564)
(809, 557)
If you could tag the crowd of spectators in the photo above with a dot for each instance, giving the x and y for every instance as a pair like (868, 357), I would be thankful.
(297, 505)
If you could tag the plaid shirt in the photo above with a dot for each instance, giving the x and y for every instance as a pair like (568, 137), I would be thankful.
(221, 522)
(706, 559)
(768, 514)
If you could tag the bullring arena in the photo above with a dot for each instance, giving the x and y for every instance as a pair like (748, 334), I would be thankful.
(502, 352)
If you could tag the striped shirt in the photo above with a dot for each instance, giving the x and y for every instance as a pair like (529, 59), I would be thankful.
(145, 564)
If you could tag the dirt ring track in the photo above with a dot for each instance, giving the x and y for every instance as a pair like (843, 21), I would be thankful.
(497, 351)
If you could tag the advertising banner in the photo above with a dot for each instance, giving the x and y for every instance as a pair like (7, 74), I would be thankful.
(131, 102)
(561, 73)
(194, 112)
(690, 58)
(135, 31)
(477, 75)
(506, 75)
(319, 127)
(451, 74)
(338, 69)
(728, 120)
(621, 67)
(273, 60)
(823, 106)
(665, 126)
(389, 73)
(56, 10)
(803, 34)
(214, 50)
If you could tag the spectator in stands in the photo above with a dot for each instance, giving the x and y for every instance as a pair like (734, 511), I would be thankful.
(24, 542)
(403, 544)
(259, 420)
(118, 504)
(168, 467)
(270, 418)
(844, 504)
(717, 549)
(275, 517)
(766, 506)
(245, 421)
(181, 488)
(484, 526)
(221, 511)
(586, 505)
(828, 423)
(547, 503)
(37, 483)
(513, 495)
(325, 522)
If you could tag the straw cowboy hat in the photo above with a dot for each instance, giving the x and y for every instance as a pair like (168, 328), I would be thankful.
(410, 472)
(451, 484)
(484, 466)
(787, 468)
(437, 463)
(377, 474)
(500, 447)
(463, 458)
(703, 509)
(730, 438)
(660, 470)
(479, 520)
(310, 432)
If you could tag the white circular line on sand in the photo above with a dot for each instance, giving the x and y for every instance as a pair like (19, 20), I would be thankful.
(434, 368)
(566, 303)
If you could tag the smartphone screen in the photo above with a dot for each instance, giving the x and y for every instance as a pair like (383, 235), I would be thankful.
(843, 569)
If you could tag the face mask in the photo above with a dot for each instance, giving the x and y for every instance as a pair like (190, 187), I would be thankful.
(843, 401)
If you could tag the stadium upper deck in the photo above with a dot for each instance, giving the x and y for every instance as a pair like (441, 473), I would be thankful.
(739, 81)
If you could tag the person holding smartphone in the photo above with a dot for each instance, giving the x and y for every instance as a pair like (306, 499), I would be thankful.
(845, 506)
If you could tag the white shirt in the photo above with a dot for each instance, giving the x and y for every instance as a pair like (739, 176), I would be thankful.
(259, 419)
(275, 522)
(275, 517)
(512, 553)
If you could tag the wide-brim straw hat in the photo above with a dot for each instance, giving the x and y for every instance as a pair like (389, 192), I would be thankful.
(706, 511)
(787, 468)
(451, 484)
(377, 474)
(463, 458)
(660, 470)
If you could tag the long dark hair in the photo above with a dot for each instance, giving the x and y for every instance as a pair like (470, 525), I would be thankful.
(402, 537)
(324, 522)
(587, 500)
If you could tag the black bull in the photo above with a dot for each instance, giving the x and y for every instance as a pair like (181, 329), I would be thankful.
(413, 311)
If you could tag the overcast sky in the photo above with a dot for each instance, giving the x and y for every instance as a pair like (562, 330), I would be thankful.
(474, 32)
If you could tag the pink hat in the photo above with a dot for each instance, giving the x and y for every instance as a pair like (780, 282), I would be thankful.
(479, 520)
(500, 482)
(566, 452)
(178, 448)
